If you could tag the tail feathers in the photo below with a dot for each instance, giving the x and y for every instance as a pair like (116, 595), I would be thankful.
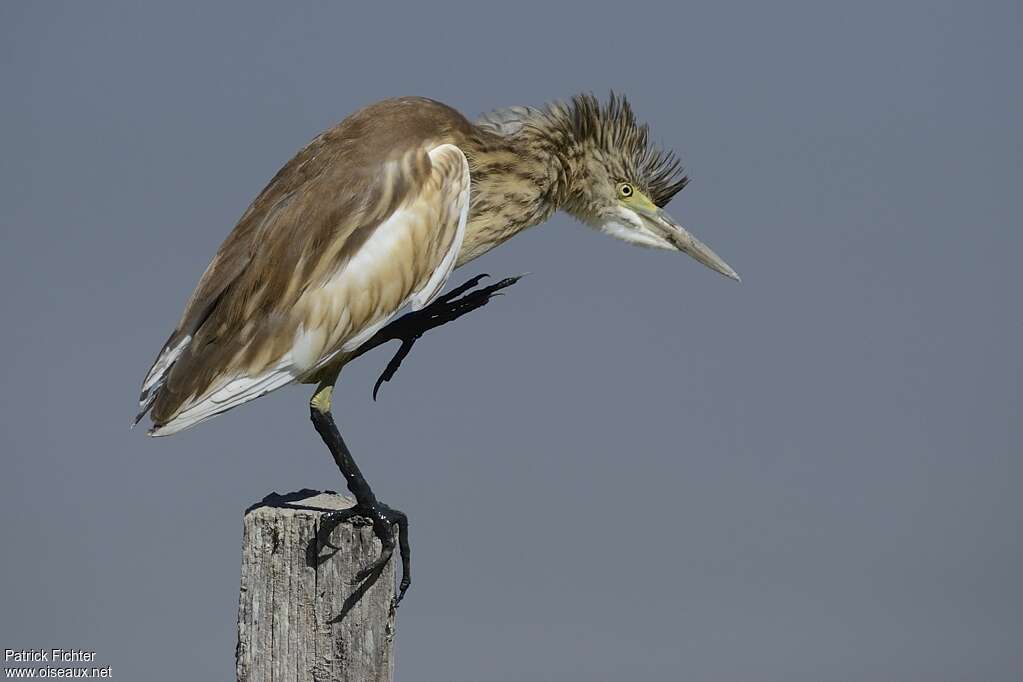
(228, 394)
(145, 402)
(168, 356)
(158, 373)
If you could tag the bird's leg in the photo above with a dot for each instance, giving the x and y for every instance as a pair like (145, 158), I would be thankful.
(384, 518)
(407, 329)
(447, 308)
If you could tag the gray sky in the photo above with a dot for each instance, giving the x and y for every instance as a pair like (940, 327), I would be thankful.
(628, 467)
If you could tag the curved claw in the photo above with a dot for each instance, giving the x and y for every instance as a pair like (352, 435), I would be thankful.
(392, 366)
(444, 309)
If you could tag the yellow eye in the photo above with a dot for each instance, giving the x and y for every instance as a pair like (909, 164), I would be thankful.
(625, 190)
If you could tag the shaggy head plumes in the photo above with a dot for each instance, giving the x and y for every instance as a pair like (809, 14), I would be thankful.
(611, 134)
(596, 163)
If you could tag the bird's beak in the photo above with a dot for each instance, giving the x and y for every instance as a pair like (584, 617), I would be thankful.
(664, 226)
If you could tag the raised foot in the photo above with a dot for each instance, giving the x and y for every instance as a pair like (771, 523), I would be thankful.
(384, 519)
(447, 308)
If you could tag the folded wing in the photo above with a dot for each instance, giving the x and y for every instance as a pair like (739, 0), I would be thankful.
(331, 250)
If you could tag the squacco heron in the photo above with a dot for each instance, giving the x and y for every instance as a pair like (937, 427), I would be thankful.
(369, 219)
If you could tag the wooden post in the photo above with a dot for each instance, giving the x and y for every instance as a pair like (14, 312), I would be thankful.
(300, 616)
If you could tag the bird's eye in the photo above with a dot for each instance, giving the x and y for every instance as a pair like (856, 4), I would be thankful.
(625, 190)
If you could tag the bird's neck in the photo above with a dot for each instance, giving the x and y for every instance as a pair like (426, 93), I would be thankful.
(518, 181)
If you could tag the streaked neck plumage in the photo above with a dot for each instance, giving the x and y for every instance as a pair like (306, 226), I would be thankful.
(522, 162)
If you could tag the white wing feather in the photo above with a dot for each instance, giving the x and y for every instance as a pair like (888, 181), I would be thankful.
(298, 362)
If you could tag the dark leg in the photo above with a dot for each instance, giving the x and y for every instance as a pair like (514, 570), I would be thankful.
(407, 329)
(447, 308)
(384, 518)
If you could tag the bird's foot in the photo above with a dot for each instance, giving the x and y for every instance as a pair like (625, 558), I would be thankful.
(447, 308)
(384, 519)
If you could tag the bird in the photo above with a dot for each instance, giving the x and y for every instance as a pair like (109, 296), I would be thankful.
(369, 220)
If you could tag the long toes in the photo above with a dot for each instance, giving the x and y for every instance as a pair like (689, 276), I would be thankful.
(461, 289)
(406, 557)
(329, 521)
(384, 520)
(383, 529)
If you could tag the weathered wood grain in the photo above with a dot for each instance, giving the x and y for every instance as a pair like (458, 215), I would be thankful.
(301, 618)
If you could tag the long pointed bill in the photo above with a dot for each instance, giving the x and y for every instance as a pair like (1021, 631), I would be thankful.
(665, 227)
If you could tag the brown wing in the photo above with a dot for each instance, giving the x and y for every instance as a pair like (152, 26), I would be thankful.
(275, 281)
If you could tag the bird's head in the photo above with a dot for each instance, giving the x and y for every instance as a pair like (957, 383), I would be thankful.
(620, 182)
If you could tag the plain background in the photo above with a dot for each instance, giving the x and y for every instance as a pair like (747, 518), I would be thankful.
(628, 467)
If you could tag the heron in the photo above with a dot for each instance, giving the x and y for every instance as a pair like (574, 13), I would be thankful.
(368, 220)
